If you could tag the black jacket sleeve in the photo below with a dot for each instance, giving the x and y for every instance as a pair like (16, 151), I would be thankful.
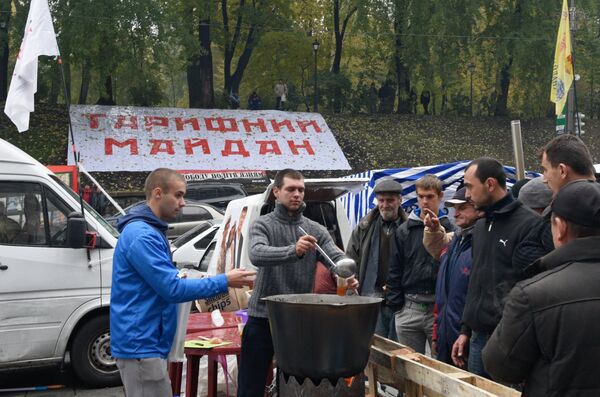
(536, 244)
(394, 294)
(512, 350)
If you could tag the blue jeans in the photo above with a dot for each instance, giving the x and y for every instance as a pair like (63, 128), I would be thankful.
(386, 323)
(476, 345)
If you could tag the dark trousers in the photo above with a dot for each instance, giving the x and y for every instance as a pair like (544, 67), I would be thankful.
(257, 355)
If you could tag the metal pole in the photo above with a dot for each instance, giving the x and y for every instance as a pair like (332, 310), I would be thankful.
(74, 148)
(515, 127)
(570, 125)
(316, 98)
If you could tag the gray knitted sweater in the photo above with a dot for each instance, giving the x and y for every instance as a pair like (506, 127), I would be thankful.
(273, 240)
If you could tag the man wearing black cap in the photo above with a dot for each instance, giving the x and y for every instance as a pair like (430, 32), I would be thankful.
(548, 336)
(454, 252)
(369, 246)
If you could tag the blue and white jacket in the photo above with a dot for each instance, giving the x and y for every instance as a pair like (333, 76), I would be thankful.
(146, 288)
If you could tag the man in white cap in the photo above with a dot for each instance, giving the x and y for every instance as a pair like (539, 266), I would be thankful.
(369, 246)
(454, 251)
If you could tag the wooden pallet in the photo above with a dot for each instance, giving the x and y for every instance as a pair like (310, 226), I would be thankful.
(418, 375)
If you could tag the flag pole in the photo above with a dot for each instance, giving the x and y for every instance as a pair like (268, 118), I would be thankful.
(73, 147)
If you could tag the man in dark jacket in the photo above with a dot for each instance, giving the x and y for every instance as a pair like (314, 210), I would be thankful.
(411, 281)
(564, 159)
(454, 249)
(369, 246)
(548, 336)
(495, 236)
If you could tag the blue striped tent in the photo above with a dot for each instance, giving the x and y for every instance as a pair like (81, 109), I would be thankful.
(358, 204)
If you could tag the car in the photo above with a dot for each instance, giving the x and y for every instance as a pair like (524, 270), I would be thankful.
(190, 216)
(218, 194)
(188, 248)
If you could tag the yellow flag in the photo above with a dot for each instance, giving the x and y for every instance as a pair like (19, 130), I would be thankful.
(562, 73)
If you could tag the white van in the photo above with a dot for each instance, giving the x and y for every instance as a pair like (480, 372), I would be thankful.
(229, 249)
(55, 276)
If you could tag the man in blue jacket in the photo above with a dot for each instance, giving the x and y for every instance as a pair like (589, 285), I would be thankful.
(146, 288)
(455, 268)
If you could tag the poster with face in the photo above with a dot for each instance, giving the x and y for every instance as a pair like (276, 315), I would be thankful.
(230, 252)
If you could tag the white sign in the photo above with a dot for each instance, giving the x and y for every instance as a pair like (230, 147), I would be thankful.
(113, 138)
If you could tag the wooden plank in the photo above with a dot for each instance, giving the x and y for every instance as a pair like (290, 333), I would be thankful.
(422, 374)
(372, 375)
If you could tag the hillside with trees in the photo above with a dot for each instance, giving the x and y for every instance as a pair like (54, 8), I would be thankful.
(368, 142)
(195, 53)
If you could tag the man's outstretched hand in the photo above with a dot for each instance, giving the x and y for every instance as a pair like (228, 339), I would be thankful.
(238, 278)
(431, 220)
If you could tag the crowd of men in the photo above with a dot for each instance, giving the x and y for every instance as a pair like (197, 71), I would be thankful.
(509, 290)
(512, 293)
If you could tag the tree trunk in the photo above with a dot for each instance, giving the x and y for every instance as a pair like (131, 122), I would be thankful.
(194, 81)
(4, 48)
(107, 97)
(67, 70)
(340, 32)
(207, 90)
(515, 26)
(402, 76)
(234, 80)
(54, 85)
(502, 102)
(85, 83)
(243, 61)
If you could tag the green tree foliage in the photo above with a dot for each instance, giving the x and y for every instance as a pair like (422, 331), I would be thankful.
(196, 52)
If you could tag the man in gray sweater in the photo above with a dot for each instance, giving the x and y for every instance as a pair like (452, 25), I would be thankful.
(286, 261)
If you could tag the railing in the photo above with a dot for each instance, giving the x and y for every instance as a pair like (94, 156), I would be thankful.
(418, 375)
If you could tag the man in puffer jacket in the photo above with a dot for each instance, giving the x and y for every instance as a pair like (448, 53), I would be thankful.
(548, 335)
(146, 288)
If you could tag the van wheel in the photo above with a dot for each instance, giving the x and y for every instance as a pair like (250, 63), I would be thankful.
(90, 354)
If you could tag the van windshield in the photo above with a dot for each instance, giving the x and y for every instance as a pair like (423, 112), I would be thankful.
(88, 208)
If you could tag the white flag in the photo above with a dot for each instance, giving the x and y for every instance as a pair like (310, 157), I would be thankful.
(39, 39)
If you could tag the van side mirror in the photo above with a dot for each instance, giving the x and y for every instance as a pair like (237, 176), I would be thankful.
(76, 230)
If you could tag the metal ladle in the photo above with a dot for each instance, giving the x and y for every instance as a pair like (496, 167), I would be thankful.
(345, 267)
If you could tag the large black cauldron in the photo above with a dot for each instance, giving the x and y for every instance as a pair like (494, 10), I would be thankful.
(322, 336)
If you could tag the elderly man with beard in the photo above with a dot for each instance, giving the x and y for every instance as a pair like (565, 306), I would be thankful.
(369, 246)
(454, 252)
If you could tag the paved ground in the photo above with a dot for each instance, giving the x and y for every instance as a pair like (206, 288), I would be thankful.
(26, 378)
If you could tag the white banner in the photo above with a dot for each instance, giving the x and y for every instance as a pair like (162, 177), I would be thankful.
(113, 138)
